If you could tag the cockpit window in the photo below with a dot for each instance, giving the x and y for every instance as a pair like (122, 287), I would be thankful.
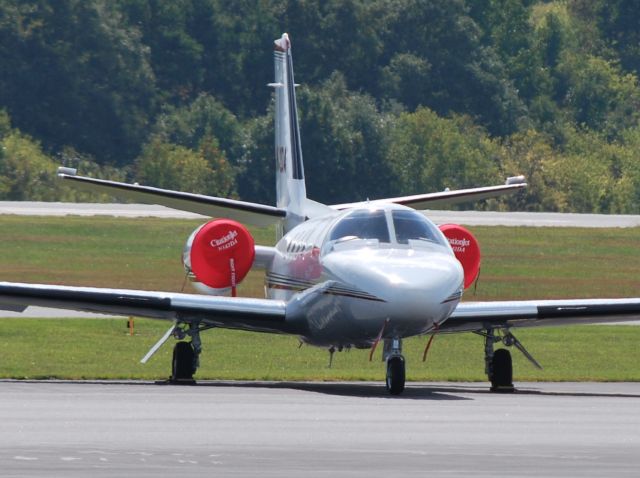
(413, 225)
(362, 224)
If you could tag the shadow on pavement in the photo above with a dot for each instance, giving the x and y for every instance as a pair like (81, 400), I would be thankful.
(413, 391)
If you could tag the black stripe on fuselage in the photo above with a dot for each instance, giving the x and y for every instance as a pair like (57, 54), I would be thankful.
(329, 291)
(296, 148)
(452, 297)
(277, 281)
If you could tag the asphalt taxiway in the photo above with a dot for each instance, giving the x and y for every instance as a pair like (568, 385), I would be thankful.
(317, 429)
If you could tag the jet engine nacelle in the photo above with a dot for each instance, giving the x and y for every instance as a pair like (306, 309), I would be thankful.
(218, 255)
(466, 249)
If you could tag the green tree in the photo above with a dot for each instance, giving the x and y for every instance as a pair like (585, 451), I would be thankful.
(464, 76)
(223, 177)
(171, 166)
(238, 37)
(599, 175)
(626, 195)
(406, 79)
(26, 173)
(204, 117)
(618, 21)
(336, 35)
(600, 95)
(430, 153)
(257, 175)
(344, 144)
(170, 29)
(75, 74)
(531, 154)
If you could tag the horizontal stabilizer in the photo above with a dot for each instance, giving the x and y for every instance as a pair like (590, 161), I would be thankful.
(444, 198)
(246, 212)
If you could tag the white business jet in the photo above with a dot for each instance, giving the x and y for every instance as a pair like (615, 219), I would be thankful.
(340, 276)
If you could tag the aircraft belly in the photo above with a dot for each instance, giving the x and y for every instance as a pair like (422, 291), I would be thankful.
(343, 321)
(334, 320)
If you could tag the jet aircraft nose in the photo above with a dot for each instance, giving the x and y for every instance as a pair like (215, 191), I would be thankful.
(415, 285)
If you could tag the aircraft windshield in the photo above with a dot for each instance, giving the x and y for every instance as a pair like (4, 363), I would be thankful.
(362, 224)
(413, 225)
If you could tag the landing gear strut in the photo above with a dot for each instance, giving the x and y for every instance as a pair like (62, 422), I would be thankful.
(498, 364)
(392, 353)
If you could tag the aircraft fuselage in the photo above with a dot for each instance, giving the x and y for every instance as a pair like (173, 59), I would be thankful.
(361, 269)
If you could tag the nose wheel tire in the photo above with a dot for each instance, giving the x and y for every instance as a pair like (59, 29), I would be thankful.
(182, 365)
(395, 375)
(502, 372)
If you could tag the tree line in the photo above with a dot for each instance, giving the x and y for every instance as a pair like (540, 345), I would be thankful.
(397, 97)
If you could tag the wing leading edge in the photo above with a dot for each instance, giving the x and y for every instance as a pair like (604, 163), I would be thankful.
(260, 315)
(250, 213)
(474, 316)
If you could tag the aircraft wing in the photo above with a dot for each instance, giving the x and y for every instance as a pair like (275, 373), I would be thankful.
(260, 315)
(476, 316)
(246, 212)
(443, 198)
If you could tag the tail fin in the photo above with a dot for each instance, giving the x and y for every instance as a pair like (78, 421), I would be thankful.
(290, 186)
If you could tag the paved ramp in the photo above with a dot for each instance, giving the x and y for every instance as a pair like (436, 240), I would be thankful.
(317, 429)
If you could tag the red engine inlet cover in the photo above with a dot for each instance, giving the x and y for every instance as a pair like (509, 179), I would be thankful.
(466, 249)
(215, 246)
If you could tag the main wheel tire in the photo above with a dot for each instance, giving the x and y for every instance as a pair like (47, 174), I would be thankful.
(182, 365)
(395, 375)
(502, 371)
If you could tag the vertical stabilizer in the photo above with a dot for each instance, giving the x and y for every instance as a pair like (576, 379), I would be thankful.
(290, 186)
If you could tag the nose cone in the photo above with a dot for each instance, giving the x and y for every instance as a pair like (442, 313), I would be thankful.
(416, 285)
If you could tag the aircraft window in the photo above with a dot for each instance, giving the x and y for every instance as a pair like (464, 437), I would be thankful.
(363, 224)
(413, 225)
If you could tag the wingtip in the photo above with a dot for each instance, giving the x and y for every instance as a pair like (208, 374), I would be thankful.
(516, 180)
(63, 171)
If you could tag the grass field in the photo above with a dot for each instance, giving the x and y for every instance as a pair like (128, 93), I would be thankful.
(518, 263)
(95, 349)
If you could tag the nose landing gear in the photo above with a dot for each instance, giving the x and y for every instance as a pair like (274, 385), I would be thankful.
(392, 353)
(395, 375)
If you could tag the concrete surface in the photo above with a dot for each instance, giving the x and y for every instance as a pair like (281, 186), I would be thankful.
(104, 429)
(470, 218)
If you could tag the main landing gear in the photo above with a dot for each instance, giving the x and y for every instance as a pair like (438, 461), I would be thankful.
(183, 363)
(392, 354)
(498, 364)
(186, 355)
